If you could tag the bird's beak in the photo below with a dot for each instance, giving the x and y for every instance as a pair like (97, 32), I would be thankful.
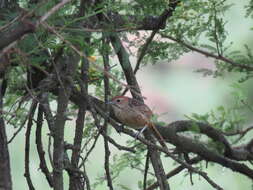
(109, 102)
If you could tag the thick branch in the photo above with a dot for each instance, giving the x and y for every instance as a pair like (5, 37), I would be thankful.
(189, 145)
(5, 174)
(58, 134)
(58, 131)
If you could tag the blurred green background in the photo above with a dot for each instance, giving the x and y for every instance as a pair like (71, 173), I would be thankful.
(173, 90)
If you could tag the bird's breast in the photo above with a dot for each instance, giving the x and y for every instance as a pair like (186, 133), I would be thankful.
(130, 117)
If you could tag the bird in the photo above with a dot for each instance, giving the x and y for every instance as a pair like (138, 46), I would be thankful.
(135, 114)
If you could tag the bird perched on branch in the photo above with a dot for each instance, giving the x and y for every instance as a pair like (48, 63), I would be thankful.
(134, 114)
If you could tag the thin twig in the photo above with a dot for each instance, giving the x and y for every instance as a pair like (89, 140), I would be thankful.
(208, 54)
(90, 150)
(120, 147)
(20, 128)
(238, 132)
(93, 136)
(174, 172)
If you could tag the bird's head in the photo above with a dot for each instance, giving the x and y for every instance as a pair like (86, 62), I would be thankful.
(119, 101)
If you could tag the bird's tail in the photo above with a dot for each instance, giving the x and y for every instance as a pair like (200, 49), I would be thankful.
(157, 135)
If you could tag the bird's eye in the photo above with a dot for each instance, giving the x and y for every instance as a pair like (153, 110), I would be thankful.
(118, 100)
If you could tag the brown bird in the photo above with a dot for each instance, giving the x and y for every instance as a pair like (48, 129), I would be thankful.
(134, 114)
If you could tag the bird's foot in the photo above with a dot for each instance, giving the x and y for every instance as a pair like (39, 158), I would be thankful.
(140, 132)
